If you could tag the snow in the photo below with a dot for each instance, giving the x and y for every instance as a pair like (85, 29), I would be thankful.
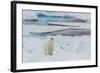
(43, 29)
(66, 48)
(79, 25)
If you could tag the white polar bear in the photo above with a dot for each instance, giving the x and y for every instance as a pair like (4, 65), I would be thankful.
(49, 46)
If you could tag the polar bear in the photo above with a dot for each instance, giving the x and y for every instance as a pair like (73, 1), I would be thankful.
(49, 46)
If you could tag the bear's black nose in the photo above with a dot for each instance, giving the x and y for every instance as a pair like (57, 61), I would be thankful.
(51, 38)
